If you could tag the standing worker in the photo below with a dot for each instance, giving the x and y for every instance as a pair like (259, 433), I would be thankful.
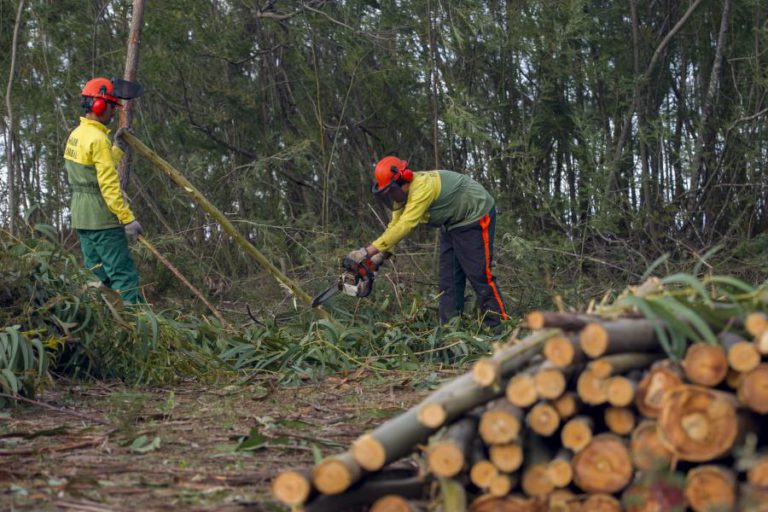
(99, 213)
(466, 215)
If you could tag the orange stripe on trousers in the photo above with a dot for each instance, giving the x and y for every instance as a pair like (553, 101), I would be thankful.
(484, 223)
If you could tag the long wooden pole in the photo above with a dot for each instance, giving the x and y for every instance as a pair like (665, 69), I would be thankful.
(198, 197)
(184, 281)
(131, 68)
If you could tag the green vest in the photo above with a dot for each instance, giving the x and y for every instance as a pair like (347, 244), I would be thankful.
(89, 210)
(462, 201)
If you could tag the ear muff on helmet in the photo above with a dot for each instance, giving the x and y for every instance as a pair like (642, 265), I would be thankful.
(99, 106)
(405, 175)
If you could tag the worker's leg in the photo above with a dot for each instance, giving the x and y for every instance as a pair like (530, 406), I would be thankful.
(91, 259)
(473, 247)
(112, 248)
(452, 281)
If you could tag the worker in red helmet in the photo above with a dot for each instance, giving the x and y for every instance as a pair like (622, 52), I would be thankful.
(100, 215)
(466, 215)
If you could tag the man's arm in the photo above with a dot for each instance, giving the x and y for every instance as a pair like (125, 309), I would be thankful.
(104, 160)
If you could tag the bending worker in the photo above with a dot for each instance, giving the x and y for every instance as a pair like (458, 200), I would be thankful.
(466, 215)
(99, 213)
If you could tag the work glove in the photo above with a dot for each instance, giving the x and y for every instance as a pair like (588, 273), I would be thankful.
(119, 140)
(378, 258)
(358, 255)
(133, 230)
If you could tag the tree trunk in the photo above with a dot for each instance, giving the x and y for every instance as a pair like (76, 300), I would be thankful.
(13, 159)
(131, 70)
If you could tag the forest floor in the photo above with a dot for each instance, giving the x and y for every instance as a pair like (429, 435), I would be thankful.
(105, 447)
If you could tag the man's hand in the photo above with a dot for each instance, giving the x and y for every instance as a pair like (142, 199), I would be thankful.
(133, 230)
(119, 140)
(358, 255)
(378, 258)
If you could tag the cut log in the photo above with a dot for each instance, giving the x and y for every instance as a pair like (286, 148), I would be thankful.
(489, 371)
(543, 419)
(563, 500)
(562, 351)
(697, 424)
(756, 323)
(743, 355)
(549, 382)
(618, 336)
(761, 343)
(392, 503)
(559, 469)
(521, 390)
(432, 415)
(758, 472)
(577, 433)
(705, 364)
(618, 364)
(604, 466)
(536, 482)
(601, 503)
(366, 492)
(292, 487)
(591, 389)
(621, 391)
(447, 456)
(488, 503)
(662, 376)
(567, 405)
(482, 472)
(620, 420)
(501, 422)
(399, 436)
(566, 321)
(753, 389)
(334, 475)
(710, 487)
(506, 457)
(501, 484)
(648, 452)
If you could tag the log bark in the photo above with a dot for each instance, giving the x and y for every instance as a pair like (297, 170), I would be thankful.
(577, 433)
(620, 420)
(489, 371)
(753, 389)
(366, 492)
(537, 319)
(704, 364)
(506, 457)
(698, 424)
(615, 336)
(604, 466)
(618, 364)
(710, 487)
(662, 376)
(648, 452)
(535, 480)
(501, 422)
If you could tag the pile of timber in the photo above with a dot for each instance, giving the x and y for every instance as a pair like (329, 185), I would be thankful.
(584, 414)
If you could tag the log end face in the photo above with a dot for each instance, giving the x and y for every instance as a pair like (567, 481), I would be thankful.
(291, 488)
(485, 372)
(445, 459)
(331, 476)
(432, 415)
(594, 340)
(369, 453)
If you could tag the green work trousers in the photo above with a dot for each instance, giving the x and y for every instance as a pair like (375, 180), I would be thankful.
(106, 253)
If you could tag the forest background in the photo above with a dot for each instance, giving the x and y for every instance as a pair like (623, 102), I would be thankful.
(612, 134)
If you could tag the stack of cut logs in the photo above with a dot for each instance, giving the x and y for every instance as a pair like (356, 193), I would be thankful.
(584, 414)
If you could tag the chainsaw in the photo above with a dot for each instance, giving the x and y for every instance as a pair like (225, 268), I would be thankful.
(356, 280)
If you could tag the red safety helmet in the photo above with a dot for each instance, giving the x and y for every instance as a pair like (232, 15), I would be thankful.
(98, 91)
(390, 170)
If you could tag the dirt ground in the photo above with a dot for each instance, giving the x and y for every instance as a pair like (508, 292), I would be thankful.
(105, 447)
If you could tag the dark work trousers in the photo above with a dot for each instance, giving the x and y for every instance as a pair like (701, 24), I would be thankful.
(466, 253)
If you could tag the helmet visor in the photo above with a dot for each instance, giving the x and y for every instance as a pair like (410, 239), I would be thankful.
(125, 89)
